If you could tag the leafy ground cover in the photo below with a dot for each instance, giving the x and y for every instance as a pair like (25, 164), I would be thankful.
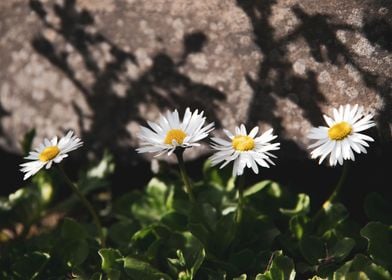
(158, 233)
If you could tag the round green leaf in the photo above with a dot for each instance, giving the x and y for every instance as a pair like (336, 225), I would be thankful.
(138, 270)
(379, 243)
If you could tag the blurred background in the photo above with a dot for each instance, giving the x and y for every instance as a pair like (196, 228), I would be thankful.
(103, 67)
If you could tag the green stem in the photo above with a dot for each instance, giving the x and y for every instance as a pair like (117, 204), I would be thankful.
(337, 191)
(240, 207)
(86, 204)
(179, 152)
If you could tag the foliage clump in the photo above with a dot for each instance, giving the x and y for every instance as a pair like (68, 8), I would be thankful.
(158, 233)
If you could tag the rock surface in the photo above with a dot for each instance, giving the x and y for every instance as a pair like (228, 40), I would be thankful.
(104, 67)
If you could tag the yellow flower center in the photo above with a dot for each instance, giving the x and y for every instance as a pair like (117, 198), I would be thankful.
(339, 131)
(49, 153)
(175, 134)
(243, 143)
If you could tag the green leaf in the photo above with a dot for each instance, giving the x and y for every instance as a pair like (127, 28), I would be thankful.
(104, 168)
(257, 232)
(96, 176)
(154, 204)
(175, 221)
(200, 232)
(114, 274)
(213, 274)
(205, 214)
(361, 267)
(73, 230)
(377, 209)
(241, 277)
(44, 184)
(98, 276)
(302, 207)
(379, 243)
(299, 225)
(342, 248)
(242, 259)
(334, 215)
(181, 258)
(189, 258)
(312, 249)
(256, 188)
(111, 259)
(29, 265)
(143, 238)
(138, 270)
(123, 205)
(217, 177)
(274, 190)
(73, 252)
(225, 233)
(281, 268)
(194, 253)
(25, 205)
(211, 195)
(121, 232)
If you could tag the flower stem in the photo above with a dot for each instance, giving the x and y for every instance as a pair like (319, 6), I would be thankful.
(86, 204)
(337, 191)
(184, 174)
(240, 207)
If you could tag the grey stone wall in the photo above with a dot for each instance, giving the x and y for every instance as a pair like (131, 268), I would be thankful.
(101, 67)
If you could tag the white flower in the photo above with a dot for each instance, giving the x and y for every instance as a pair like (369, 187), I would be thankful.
(48, 152)
(244, 149)
(170, 133)
(342, 136)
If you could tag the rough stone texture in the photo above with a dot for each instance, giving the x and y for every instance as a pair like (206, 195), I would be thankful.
(102, 67)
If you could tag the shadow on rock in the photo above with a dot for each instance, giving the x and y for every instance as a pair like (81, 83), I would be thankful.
(113, 95)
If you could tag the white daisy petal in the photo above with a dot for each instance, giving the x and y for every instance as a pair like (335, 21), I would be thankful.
(49, 164)
(245, 150)
(357, 115)
(170, 132)
(341, 138)
(328, 120)
(228, 133)
(49, 152)
(359, 128)
(187, 117)
(353, 112)
(346, 113)
(254, 131)
(47, 143)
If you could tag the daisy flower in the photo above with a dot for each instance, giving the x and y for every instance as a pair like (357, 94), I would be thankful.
(48, 152)
(342, 136)
(244, 149)
(170, 132)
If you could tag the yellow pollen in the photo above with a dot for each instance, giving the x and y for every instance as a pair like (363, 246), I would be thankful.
(175, 134)
(339, 131)
(49, 153)
(243, 143)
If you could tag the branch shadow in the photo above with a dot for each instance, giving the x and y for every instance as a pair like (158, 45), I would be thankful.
(276, 77)
(9, 161)
(3, 113)
(162, 84)
(377, 29)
